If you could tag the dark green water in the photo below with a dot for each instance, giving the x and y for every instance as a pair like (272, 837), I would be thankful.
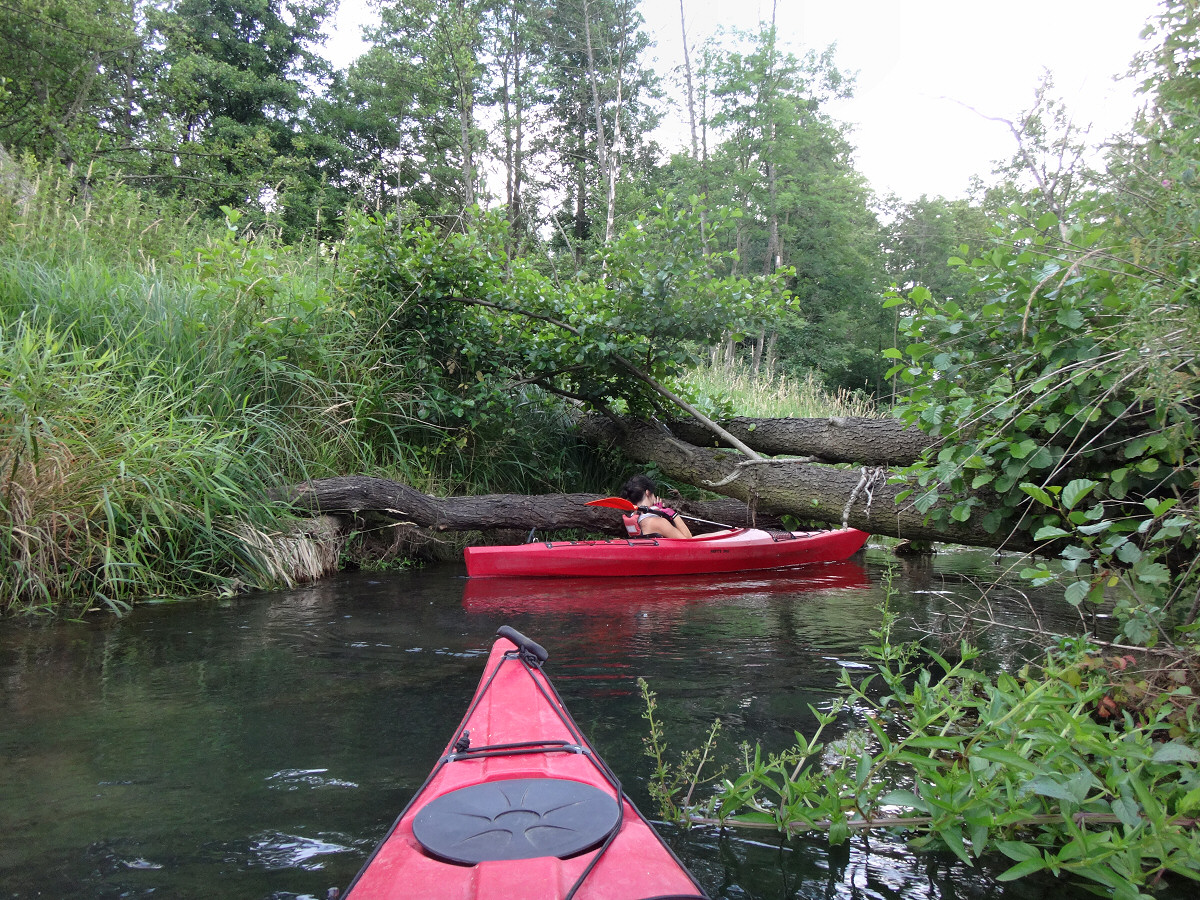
(259, 748)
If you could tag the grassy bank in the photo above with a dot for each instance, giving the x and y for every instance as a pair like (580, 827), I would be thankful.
(159, 377)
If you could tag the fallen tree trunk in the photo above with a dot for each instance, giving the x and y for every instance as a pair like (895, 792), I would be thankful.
(805, 490)
(761, 491)
(836, 439)
(356, 495)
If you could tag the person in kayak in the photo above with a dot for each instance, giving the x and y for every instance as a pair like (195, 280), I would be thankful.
(653, 518)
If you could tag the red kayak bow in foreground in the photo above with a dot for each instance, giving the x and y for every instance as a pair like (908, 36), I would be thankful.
(520, 806)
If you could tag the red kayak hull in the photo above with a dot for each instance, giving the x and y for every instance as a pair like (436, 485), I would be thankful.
(738, 550)
(515, 704)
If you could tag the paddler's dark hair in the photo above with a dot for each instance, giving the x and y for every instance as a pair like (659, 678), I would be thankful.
(635, 488)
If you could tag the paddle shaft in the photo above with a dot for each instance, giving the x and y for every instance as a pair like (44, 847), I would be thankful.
(705, 521)
(623, 504)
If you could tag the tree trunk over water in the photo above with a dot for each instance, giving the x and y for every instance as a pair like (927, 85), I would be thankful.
(799, 488)
(355, 495)
(761, 492)
(837, 439)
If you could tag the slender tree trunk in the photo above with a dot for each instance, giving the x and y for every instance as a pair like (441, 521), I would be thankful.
(766, 102)
(691, 104)
(581, 188)
(456, 37)
(607, 156)
(513, 89)
(466, 121)
(601, 143)
(691, 93)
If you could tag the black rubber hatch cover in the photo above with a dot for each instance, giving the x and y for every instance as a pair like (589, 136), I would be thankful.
(518, 818)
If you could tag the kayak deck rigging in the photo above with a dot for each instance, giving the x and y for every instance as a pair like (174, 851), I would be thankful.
(544, 816)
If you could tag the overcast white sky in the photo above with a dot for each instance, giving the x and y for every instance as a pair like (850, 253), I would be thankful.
(918, 63)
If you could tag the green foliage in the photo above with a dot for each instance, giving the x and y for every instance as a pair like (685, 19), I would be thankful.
(229, 88)
(922, 235)
(211, 375)
(1074, 364)
(669, 778)
(424, 354)
(478, 322)
(728, 388)
(67, 73)
(1040, 385)
(96, 509)
(1020, 764)
(780, 160)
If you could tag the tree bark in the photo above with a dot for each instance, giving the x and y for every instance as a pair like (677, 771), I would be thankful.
(837, 439)
(805, 490)
(761, 491)
(356, 495)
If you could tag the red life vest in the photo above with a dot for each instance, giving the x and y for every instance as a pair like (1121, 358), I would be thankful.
(632, 528)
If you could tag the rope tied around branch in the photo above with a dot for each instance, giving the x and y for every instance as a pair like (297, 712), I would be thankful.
(870, 478)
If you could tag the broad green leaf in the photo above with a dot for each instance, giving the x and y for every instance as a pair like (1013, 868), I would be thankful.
(1128, 811)
(1018, 850)
(1129, 552)
(1050, 532)
(1190, 802)
(1153, 573)
(1160, 507)
(935, 742)
(952, 837)
(1070, 318)
(1023, 868)
(1175, 751)
(1046, 786)
(839, 832)
(1006, 758)
(1077, 592)
(1036, 493)
(906, 799)
(1076, 490)
(1022, 449)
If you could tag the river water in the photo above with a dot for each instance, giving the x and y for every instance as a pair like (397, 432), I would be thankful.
(259, 747)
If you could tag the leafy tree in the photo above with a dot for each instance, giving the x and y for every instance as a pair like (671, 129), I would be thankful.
(1070, 390)
(230, 103)
(518, 59)
(430, 54)
(487, 329)
(920, 236)
(599, 91)
(772, 152)
(69, 80)
(370, 110)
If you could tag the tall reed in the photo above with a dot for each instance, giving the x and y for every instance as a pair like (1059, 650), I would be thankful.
(733, 386)
(159, 376)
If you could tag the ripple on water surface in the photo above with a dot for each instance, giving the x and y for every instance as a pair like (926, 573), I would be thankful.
(260, 747)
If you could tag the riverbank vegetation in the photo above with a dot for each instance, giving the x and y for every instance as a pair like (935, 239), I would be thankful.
(1081, 764)
(1064, 384)
(226, 268)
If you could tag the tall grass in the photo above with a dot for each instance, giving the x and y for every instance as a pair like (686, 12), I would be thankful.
(732, 386)
(159, 376)
(99, 505)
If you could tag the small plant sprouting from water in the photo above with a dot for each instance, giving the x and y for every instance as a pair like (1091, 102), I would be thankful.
(1027, 765)
(668, 779)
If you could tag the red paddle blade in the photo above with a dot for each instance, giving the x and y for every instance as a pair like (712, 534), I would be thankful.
(613, 503)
